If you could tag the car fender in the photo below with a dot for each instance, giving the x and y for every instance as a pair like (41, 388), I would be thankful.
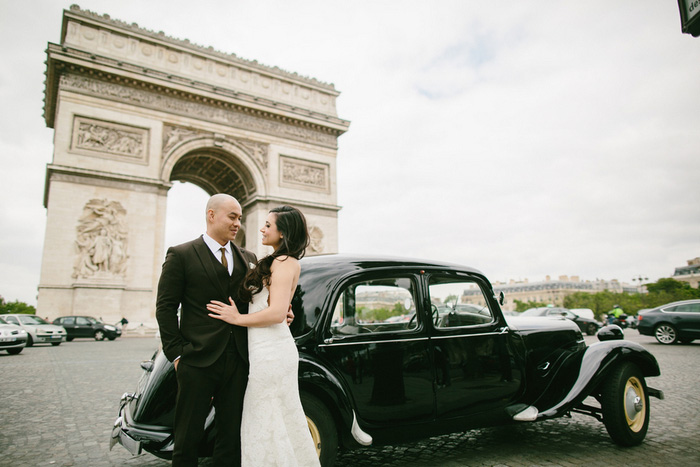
(316, 380)
(598, 360)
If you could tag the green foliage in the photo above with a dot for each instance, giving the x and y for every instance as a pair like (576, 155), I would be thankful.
(522, 306)
(379, 315)
(15, 307)
(661, 292)
(451, 298)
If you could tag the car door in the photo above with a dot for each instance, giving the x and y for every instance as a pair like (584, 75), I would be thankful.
(377, 344)
(68, 324)
(477, 376)
(83, 327)
(686, 318)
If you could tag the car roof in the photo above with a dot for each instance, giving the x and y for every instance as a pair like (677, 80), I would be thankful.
(349, 262)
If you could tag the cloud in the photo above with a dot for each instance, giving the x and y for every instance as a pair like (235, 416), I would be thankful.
(522, 139)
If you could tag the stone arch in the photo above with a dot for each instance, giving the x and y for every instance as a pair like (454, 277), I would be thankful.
(216, 166)
(139, 110)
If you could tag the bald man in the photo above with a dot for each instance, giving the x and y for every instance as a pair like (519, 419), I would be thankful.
(210, 355)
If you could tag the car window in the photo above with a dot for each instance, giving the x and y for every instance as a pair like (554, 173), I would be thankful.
(80, 321)
(31, 320)
(686, 308)
(2, 321)
(457, 302)
(375, 306)
(12, 320)
(68, 320)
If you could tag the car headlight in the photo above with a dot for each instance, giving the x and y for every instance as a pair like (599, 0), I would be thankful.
(110, 328)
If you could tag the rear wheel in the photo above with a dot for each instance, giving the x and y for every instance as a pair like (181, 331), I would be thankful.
(55, 344)
(99, 335)
(69, 338)
(666, 334)
(322, 428)
(625, 404)
(30, 341)
(14, 351)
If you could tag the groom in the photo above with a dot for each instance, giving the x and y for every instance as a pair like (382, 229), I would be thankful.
(210, 356)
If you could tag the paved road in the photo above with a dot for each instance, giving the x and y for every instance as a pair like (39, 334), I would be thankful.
(58, 405)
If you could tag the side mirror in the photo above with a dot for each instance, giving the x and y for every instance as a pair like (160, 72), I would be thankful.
(501, 298)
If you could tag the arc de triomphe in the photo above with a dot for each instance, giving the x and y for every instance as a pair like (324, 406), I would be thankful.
(134, 111)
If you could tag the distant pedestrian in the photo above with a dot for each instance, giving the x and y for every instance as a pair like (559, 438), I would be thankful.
(124, 322)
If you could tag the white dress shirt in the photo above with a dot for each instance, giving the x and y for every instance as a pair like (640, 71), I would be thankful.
(215, 248)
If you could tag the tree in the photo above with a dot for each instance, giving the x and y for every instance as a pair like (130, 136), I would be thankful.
(15, 307)
(522, 306)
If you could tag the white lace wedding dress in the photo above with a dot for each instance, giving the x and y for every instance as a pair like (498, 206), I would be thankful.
(273, 429)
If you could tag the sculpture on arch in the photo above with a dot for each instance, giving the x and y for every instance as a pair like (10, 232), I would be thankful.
(101, 240)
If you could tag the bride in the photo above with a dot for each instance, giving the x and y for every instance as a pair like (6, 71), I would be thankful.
(273, 429)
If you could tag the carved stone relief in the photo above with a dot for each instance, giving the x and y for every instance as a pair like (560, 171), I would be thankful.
(101, 240)
(174, 135)
(97, 137)
(181, 106)
(316, 239)
(308, 174)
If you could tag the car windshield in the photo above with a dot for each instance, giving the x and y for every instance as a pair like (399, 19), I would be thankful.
(2, 321)
(93, 320)
(31, 320)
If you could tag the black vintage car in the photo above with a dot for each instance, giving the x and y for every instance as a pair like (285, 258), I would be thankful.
(390, 350)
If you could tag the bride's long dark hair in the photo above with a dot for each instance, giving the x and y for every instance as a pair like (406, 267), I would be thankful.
(291, 223)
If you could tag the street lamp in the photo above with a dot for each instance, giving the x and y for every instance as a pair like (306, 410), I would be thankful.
(640, 278)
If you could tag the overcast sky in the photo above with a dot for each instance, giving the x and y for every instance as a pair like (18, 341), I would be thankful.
(522, 138)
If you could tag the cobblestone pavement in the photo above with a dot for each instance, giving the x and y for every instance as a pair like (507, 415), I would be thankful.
(59, 403)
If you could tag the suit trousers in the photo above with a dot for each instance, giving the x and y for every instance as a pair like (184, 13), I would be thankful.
(224, 383)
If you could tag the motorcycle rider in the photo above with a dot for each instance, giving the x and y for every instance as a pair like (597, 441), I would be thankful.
(614, 314)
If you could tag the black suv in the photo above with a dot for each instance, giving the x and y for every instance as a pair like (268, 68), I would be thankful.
(87, 326)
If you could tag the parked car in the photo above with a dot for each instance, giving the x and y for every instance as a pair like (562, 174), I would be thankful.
(365, 379)
(39, 331)
(587, 325)
(87, 326)
(671, 323)
(583, 312)
(12, 338)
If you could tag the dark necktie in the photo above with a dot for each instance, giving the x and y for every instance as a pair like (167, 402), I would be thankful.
(223, 258)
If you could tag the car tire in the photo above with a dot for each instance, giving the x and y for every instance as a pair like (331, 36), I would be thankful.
(322, 427)
(14, 351)
(666, 334)
(99, 335)
(111, 337)
(30, 341)
(55, 344)
(625, 405)
(68, 339)
(591, 329)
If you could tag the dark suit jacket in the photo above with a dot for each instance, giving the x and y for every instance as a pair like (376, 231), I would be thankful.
(191, 278)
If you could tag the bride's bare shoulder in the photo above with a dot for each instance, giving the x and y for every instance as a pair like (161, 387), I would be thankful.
(286, 262)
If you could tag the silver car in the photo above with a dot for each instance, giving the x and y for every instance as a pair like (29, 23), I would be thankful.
(38, 330)
(12, 338)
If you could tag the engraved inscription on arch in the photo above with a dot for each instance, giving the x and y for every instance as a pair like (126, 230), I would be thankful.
(108, 139)
(299, 173)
